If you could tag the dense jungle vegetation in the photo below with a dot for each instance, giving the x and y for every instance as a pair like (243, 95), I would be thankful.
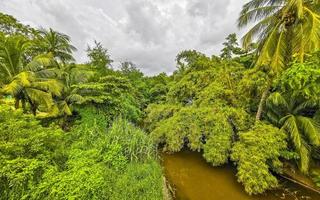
(89, 131)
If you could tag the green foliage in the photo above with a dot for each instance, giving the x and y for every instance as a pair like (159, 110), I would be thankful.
(12, 52)
(316, 178)
(293, 116)
(28, 88)
(99, 58)
(136, 144)
(113, 94)
(184, 91)
(204, 128)
(285, 29)
(27, 150)
(140, 181)
(251, 86)
(58, 44)
(187, 58)
(158, 112)
(294, 108)
(302, 80)
(201, 109)
(206, 106)
(189, 125)
(205, 80)
(257, 155)
(230, 47)
(103, 163)
(90, 162)
(158, 88)
(24, 80)
(10, 26)
(138, 80)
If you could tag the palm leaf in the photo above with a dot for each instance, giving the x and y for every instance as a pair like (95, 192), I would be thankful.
(75, 98)
(310, 129)
(51, 85)
(277, 100)
(256, 30)
(304, 154)
(256, 14)
(40, 97)
(278, 58)
(290, 126)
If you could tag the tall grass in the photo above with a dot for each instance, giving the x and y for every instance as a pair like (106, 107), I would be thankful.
(136, 145)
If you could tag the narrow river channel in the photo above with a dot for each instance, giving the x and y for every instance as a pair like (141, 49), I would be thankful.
(194, 179)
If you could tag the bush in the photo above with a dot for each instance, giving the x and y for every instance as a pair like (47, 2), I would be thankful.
(27, 150)
(90, 162)
(257, 155)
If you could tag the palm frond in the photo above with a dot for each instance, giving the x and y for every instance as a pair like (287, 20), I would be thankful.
(311, 30)
(290, 126)
(256, 30)
(19, 82)
(56, 43)
(12, 49)
(304, 154)
(268, 47)
(278, 57)
(41, 62)
(256, 14)
(303, 106)
(65, 108)
(40, 97)
(75, 98)
(310, 128)
(276, 100)
(51, 85)
(253, 5)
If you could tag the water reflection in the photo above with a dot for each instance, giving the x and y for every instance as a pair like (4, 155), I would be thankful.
(194, 179)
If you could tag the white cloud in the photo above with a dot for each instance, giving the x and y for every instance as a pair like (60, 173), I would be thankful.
(149, 33)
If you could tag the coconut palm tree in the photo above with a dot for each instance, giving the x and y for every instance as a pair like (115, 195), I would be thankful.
(26, 87)
(18, 79)
(293, 116)
(12, 50)
(70, 75)
(58, 44)
(284, 29)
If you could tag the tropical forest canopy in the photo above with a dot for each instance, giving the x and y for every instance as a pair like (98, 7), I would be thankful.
(87, 131)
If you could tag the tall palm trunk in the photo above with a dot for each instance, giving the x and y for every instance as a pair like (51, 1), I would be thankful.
(23, 103)
(16, 103)
(262, 103)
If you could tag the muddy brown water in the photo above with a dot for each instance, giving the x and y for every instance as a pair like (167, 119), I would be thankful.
(194, 179)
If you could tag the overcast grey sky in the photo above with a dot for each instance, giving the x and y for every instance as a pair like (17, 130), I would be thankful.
(149, 33)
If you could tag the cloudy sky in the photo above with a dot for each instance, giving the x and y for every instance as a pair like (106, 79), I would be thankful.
(149, 33)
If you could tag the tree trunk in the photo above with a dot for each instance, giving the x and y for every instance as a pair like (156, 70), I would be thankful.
(34, 110)
(23, 102)
(16, 103)
(262, 103)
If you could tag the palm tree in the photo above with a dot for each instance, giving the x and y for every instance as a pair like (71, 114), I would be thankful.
(58, 44)
(28, 88)
(284, 29)
(293, 116)
(18, 79)
(12, 50)
(70, 75)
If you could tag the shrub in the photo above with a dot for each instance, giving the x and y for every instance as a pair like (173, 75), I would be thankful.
(257, 155)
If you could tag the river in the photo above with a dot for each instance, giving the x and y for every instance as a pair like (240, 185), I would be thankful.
(194, 179)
